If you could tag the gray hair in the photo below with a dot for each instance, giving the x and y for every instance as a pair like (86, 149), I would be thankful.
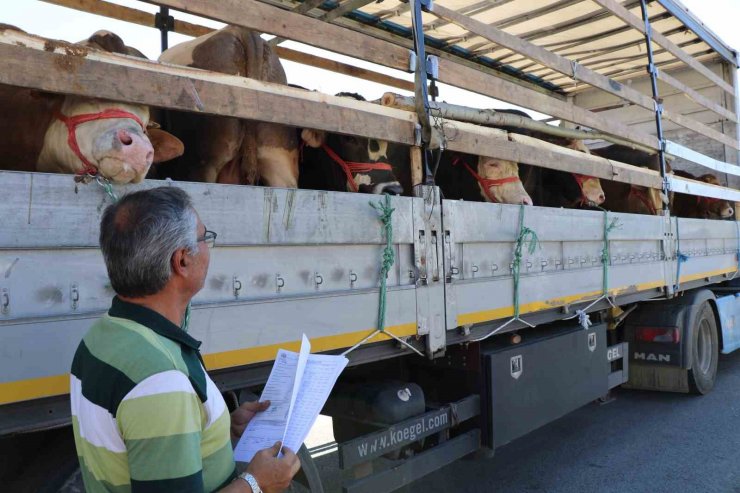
(140, 233)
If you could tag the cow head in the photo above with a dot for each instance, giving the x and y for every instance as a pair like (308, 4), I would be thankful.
(107, 138)
(712, 208)
(499, 181)
(590, 189)
(362, 164)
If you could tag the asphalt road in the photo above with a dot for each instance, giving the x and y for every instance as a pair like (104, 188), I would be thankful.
(640, 442)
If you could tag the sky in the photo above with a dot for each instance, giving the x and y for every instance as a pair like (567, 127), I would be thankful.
(52, 21)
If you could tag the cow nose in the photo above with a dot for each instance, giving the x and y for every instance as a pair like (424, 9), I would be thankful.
(527, 201)
(124, 137)
(392, 189)
(602, 198)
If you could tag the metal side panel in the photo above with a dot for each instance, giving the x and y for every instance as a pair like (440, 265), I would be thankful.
(565, 267)
(710, 247)
(286, 262)
(729, 315)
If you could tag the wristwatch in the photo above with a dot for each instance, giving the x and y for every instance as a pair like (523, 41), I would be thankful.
(251, 481)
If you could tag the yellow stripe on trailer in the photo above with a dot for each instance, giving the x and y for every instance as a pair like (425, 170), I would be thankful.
(36, 388)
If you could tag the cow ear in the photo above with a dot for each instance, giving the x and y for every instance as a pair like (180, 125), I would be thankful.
(313, 138)
(166, 146)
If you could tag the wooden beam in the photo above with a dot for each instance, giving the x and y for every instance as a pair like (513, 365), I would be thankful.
(417, 165)
(636, 22)
(343, 68)
(473, 80)
(114, 11)
(59, 67)
(272, 20)
(700, 128)
(575, 71)
(135, 16)
(698, 98)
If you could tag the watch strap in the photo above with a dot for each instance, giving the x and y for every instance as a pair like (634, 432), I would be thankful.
(252, 481)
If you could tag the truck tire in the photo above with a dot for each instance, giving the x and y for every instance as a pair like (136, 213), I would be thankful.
(704, 351)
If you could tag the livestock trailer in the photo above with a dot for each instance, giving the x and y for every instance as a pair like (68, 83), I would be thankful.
(492, 310)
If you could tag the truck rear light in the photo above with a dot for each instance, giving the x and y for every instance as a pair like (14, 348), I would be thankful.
(658, 334)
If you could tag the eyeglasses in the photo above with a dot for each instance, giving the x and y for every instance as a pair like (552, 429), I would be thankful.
(209, 237)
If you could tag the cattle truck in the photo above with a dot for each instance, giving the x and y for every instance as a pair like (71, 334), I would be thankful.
(498, 318)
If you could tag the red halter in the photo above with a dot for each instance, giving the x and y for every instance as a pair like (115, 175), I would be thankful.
(486, 183)
(642, 197)
(580, 179)
(73, 121)
(349, 167)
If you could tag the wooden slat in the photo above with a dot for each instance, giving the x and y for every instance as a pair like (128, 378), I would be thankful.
(661, 40)
(698, 98)
(417, 165)
(122, 13)
(27, 63)
(343, 68)
(473, 80)
(698, 158)
(575, 71)
(700, 128)
(266, 19)
(114, 11)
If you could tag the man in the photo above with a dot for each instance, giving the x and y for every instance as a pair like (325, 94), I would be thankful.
(145, 414)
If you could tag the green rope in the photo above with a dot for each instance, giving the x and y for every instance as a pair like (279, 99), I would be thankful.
(386, 212)
(526, 235)
(605, 252)
(680, 258)
(107, 186)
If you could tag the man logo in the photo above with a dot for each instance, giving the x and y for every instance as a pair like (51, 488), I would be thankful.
(517, 366)
(592, 341)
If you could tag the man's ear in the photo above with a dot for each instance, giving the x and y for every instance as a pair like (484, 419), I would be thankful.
(180, 261)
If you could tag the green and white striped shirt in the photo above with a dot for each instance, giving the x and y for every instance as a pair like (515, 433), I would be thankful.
(146, 416)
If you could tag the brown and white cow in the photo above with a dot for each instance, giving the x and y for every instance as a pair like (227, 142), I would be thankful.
(69, 134)
(231, 150)
(462, 176)
(480, 179)
(623, 197)
(684, 205)
(347, 163)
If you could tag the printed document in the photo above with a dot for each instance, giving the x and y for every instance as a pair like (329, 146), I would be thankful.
(298, 387)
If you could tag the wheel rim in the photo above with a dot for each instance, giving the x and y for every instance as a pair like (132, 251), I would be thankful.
(704, 347)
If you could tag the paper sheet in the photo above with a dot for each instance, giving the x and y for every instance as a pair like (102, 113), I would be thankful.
(291, 413)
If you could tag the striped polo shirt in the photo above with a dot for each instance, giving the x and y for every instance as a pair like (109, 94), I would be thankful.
(146, 416)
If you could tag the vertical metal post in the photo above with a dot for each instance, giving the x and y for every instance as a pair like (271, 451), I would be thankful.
(421, 90)
(165, 23)
(653, 71)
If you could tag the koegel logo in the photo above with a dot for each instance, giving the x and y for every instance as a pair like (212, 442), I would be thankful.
(660, 358)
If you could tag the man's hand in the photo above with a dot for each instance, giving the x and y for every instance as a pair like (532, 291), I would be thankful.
(243, 415)
(273, 474)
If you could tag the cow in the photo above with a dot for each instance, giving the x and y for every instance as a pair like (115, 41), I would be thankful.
(497, 180)
(685, 205)
(78, 135)
(623, 197)
(553, 188)
(346, 163)
(224, 149)
(480, 179)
